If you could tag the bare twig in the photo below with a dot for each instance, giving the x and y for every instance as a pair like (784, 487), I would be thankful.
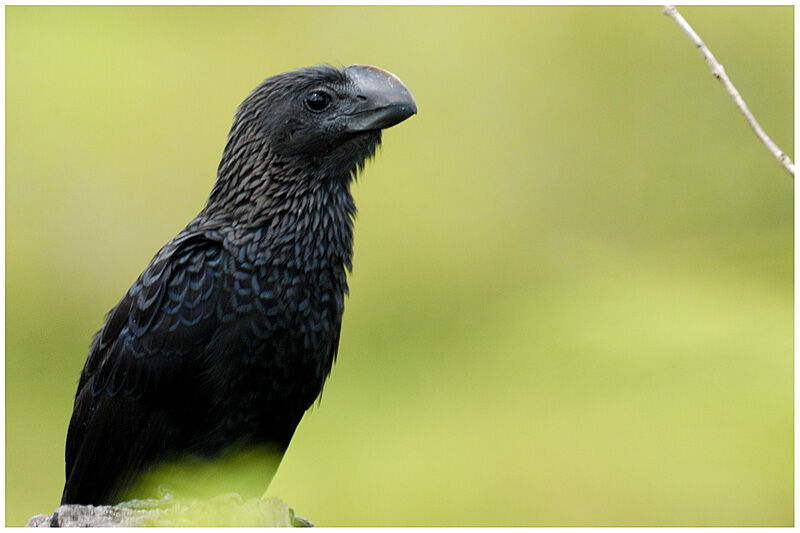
(719, 72)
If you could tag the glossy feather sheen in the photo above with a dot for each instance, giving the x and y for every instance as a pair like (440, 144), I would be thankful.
(228, 335)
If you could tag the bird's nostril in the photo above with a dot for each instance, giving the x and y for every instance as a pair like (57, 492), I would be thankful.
(361, 97)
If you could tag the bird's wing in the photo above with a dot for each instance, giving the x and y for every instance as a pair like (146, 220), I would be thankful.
(142, 368)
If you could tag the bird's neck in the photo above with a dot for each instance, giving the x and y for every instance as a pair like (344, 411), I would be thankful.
(289, 206)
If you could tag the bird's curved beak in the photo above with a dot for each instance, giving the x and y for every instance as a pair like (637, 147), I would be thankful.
(382, 100)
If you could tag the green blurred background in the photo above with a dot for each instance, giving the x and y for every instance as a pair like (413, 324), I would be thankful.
(572, 301)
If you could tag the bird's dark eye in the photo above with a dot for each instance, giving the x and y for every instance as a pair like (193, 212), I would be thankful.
(318, 101)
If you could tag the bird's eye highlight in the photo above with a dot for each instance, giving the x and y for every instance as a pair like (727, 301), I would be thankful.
(318, 101)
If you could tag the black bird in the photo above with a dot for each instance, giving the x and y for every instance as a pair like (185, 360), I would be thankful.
(227, 337)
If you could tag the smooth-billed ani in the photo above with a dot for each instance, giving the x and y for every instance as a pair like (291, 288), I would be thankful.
(228, 335)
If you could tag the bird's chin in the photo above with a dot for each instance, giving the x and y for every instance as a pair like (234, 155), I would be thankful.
(358, 138)
(355, 149)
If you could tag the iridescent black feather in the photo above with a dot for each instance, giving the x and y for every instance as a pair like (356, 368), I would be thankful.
(229, 334)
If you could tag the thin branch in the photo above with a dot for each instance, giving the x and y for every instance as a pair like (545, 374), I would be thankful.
(719, 72)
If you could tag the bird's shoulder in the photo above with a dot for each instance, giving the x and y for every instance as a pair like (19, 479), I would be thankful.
(163, 309)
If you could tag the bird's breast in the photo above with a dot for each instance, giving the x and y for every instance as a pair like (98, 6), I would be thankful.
(291, 296)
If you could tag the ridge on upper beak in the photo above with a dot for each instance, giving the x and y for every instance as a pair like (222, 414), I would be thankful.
(382, 100)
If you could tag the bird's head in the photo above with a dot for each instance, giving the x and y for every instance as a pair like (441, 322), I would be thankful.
(323, 119)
